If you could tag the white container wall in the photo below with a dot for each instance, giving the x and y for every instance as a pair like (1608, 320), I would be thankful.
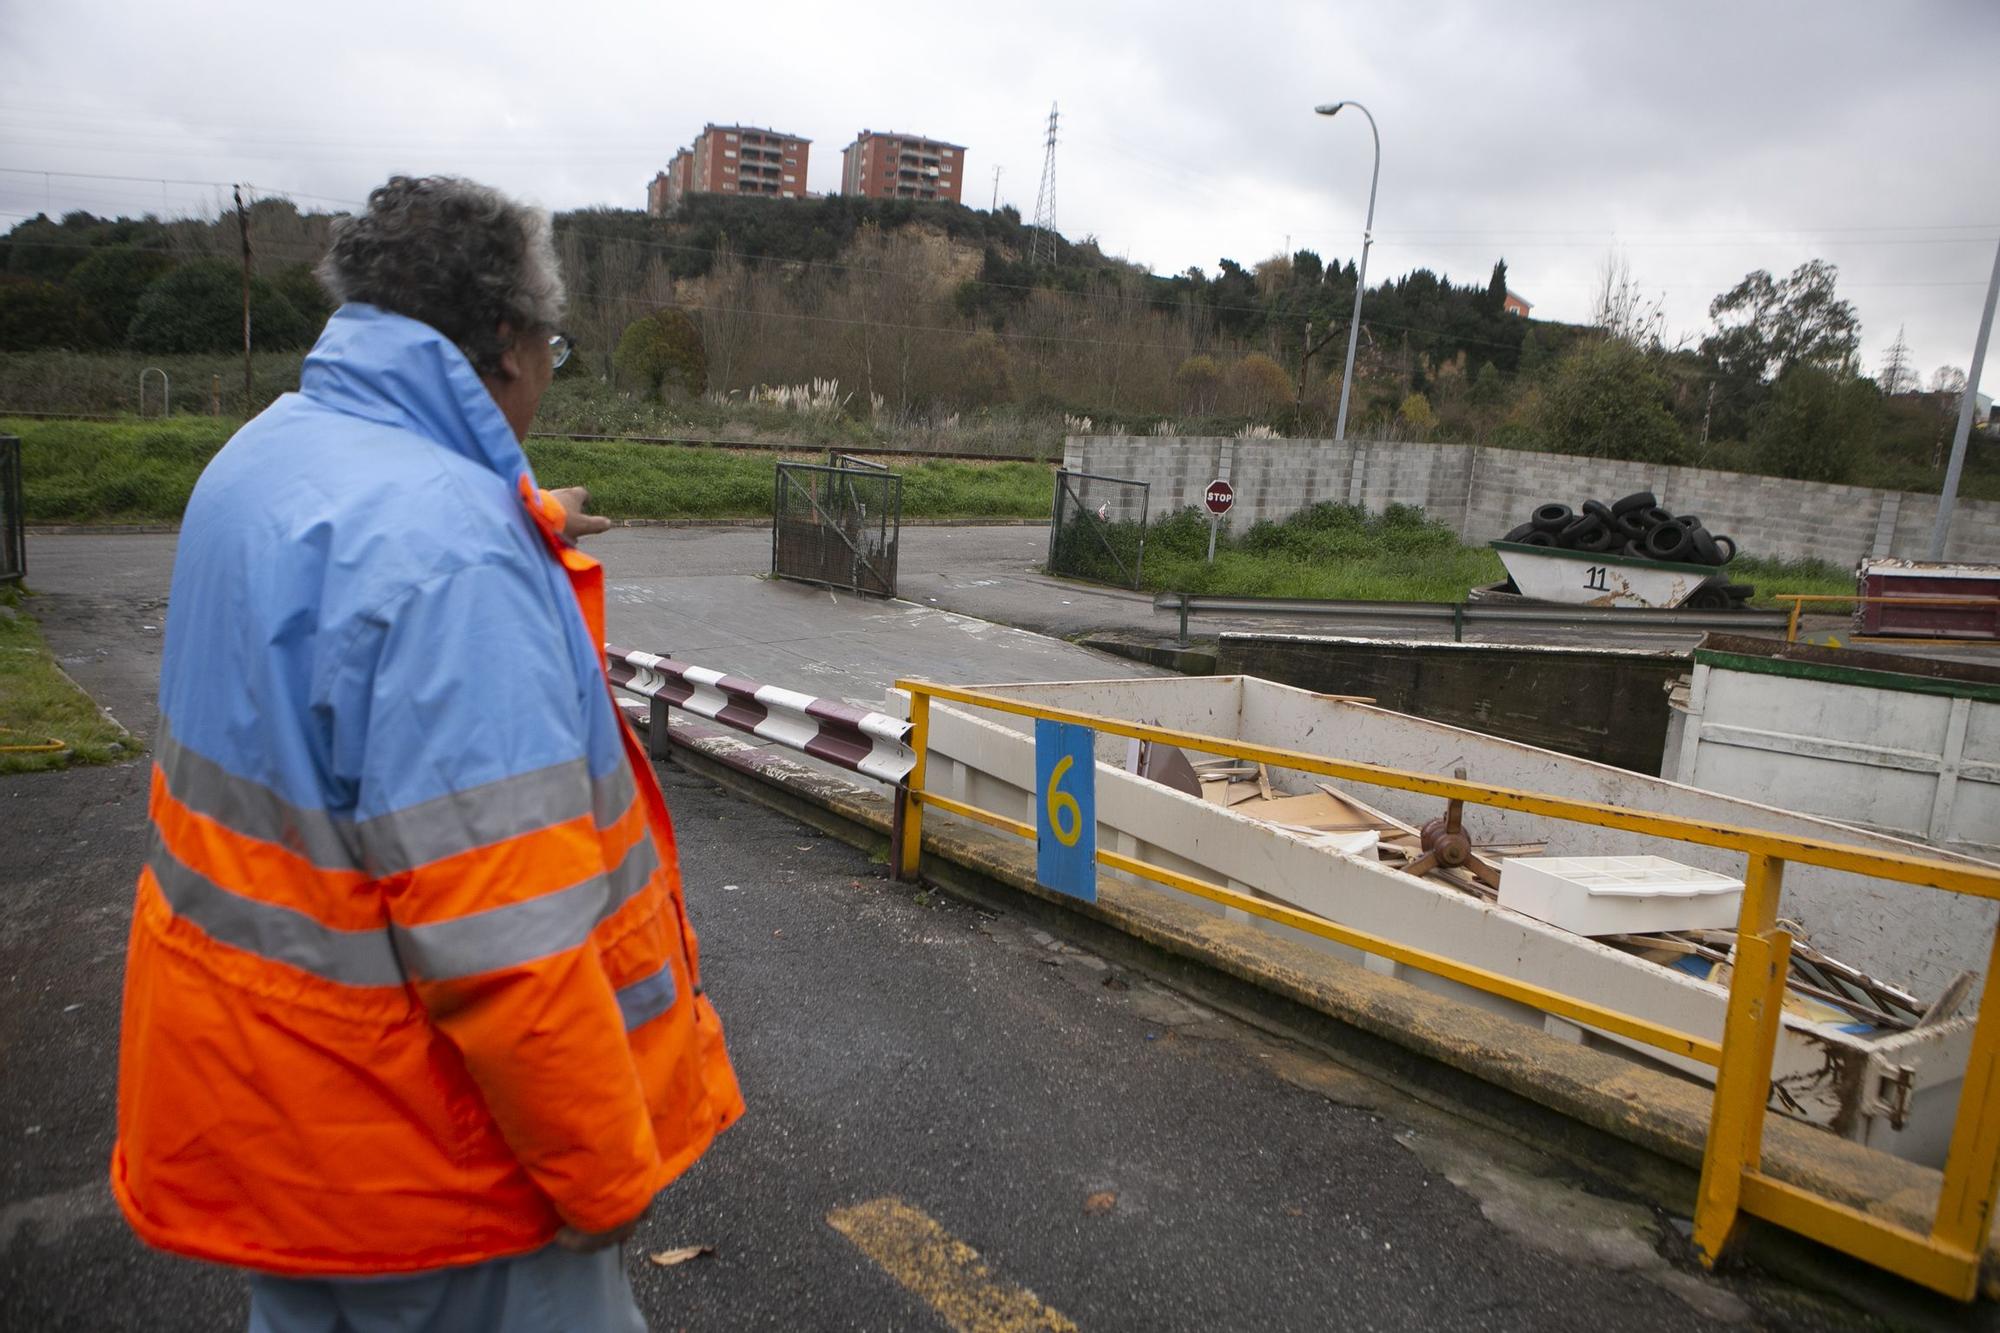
(1914, 757)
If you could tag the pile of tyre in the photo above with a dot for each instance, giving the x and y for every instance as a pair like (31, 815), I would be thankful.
(1635, 526)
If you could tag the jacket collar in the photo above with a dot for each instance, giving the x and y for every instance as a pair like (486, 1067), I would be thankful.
(385, 367)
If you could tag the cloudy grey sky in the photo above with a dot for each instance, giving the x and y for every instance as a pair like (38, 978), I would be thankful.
(1700, 140)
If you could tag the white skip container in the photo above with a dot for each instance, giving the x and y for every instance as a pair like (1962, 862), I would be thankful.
(1619, 895)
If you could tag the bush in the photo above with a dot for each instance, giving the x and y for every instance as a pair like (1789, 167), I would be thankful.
(198, 307)
(113, 280)
(984, 372)
(1198, 378)
(40, 314)
(662, 355)
(298, 284)
(1259, 385)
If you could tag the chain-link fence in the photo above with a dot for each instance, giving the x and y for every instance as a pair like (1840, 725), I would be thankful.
(839, 524)
(1098, 530)
(13, 537)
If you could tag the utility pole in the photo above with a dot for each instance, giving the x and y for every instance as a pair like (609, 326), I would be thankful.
(995, 206)
(243, 221)
(1966, 407)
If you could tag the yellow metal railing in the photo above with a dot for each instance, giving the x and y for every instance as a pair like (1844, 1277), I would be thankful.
(1946, 1259)
(1799, 599)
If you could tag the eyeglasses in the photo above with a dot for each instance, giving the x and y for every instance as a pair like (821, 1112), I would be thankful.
(560, 346)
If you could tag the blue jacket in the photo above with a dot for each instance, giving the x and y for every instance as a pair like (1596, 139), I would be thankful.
(358, 562)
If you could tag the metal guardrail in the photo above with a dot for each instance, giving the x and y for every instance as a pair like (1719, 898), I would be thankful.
(1460, 614)
(1946, 1259)
(857, 739)
(13, 522)
(1799, 600)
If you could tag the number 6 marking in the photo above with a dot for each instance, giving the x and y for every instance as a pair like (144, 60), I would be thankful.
(1059, 802)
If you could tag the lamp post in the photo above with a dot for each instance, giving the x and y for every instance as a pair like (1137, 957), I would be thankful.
(1361, 283)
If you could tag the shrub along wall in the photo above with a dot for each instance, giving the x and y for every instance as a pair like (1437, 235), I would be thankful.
(1483, 492)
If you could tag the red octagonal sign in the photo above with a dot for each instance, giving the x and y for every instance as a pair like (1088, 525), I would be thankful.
(1221, 495)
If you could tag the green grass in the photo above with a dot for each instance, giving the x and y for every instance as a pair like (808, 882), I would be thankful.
(113, 472)
(1326, 551)
(136, 471)
(39, 704)
(1808, 576)
(1341, 552)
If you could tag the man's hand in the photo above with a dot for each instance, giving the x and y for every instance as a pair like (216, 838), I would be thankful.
(576, 523)
(583, 1242)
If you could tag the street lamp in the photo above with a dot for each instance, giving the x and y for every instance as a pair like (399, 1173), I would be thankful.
(1361, 283)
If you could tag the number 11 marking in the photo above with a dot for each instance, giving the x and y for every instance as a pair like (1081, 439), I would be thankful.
(1593, 579)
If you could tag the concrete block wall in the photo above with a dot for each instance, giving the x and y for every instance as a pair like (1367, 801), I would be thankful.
(1483, 492)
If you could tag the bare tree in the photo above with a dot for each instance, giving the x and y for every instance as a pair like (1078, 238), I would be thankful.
(1622, 310)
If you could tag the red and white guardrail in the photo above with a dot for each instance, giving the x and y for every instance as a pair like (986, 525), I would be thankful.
(858, 739)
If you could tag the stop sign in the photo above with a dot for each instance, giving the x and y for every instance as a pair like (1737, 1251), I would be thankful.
(1219, 497)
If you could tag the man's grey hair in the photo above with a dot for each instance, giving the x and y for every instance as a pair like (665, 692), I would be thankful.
(460, 256)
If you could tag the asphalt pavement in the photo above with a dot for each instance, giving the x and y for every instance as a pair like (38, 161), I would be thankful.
(1122, 1154)
(956, 1120)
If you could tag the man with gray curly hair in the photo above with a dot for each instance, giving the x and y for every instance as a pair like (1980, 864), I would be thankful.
(414, 1024)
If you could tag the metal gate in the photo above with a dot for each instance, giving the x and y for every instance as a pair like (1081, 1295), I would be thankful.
(13, 538)
(837, 524)
(1098, 531)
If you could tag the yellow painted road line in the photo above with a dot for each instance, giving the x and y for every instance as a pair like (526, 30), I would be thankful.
(944, 1272)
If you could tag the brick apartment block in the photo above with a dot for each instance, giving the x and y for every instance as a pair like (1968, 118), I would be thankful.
(887, 165)
(732, 159)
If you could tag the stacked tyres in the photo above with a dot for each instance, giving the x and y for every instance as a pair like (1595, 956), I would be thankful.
(1637, 527)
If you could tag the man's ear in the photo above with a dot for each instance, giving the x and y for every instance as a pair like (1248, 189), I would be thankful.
(510, 355)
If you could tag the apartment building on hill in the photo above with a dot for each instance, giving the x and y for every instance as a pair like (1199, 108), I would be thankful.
(732, 159)
(887, 165)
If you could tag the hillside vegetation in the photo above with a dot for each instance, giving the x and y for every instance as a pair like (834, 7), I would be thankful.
(843, 320)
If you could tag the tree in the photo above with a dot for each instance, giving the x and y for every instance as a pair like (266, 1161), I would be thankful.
(1622, 310)
(113, 279)
(1534, 358)
(1605, 399)
(40, 314)
(1815, 425)
(298, 284)
(1765, 327)
(1259, 385)
(662, 355)
(1488, 388)
(983, 372)
(1416, 412)
(1197, 379)
(1948, 381)
(1898, 375)
(198, 307)
(1496, 290)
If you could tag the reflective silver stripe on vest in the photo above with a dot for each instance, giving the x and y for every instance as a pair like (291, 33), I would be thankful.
(478, 816)
(522, 932)
(402, 839)
(647, 998)
(251, 808)
(481, 816)
(280, 934)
